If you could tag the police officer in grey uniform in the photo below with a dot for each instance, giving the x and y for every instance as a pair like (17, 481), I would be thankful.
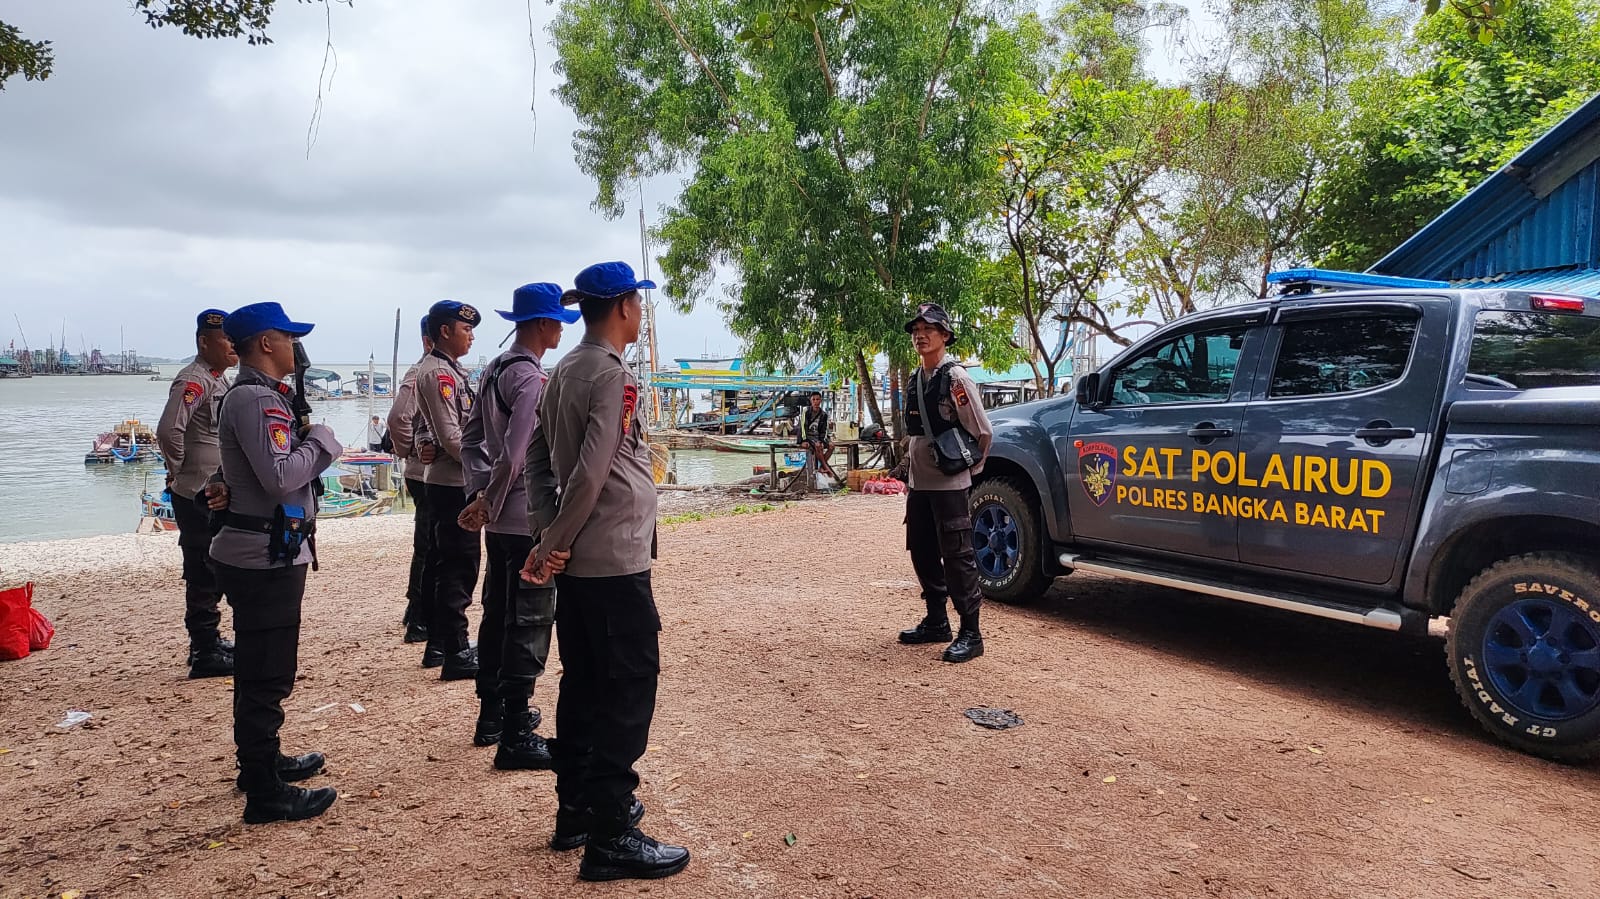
(592, 509)
(938, 525)
(408, 434)
(514, 637)
(269, 463)
(187, 435)
(445, 396)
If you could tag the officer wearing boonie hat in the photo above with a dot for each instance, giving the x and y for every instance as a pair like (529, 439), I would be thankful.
(187, 435)
(261, 552)
(597, 543)
(514, 637)
(445, 398)
(414, 446)
(938, 397)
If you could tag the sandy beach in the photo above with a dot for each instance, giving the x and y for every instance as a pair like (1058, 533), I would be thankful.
(1173, 746)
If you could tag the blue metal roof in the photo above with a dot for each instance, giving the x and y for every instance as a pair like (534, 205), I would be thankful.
(1537, 212)
(1581, 281)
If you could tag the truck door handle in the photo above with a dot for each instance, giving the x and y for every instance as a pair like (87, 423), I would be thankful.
(1206, 431)
(1380, 432)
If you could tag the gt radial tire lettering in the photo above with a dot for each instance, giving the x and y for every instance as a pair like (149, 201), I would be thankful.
(1015, 569)
(1488, 700)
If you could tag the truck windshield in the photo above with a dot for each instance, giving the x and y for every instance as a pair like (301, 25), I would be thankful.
(1520, 350)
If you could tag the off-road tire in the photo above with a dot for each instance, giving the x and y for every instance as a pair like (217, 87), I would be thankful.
(1565, 583)
(1026, 580)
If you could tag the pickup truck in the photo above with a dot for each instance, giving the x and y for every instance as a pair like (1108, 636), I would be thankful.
(1379, 456)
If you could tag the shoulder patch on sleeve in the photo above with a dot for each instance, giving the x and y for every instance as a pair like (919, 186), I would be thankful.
(447, 385)
(275, 412)
(278, 435)
(958, 392)
(630, 402)
(192, 392)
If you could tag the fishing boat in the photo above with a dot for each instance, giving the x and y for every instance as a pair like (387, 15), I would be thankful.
(155, 509)
(130, 441)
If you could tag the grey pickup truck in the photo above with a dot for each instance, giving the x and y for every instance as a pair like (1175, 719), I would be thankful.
(1378, 455)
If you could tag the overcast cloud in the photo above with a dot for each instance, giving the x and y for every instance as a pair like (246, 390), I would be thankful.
(154, 175)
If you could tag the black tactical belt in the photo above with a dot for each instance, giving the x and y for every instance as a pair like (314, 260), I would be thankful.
(262, 525)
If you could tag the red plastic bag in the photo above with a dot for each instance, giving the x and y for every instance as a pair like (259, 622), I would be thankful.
(16, 624)
(41, 632)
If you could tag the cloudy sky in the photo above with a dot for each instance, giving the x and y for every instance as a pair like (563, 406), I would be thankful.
(154, 175)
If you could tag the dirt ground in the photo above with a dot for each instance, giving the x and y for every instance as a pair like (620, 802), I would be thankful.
(1174, 746)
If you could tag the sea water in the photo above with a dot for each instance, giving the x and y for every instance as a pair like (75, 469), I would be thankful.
(47, 424)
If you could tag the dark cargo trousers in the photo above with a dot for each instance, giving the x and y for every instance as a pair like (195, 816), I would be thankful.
(201, 598)
(514, 635)
(610, 657)
(939, 536)
(455, 556)
(266, 625)
(418, 587)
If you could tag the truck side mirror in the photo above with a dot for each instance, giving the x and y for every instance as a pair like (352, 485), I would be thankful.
(1089, 389)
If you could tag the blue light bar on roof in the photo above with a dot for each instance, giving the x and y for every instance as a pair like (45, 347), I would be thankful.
(1308, 278)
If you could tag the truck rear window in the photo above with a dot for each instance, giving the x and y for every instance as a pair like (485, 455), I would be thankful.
(1520, 350)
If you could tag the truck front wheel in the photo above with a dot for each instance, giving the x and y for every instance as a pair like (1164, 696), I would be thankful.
(1007, 541)
(1524, 652)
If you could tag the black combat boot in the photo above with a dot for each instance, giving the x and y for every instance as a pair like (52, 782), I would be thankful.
(572, 825)
(520, 748)
(617, 850)
(210, 660)
(491, 717)
(933, 628)
(292, 767)
(968, 644)
(461, 665)
(226, 645)
(416, 633)
(268, 798)
(432, 657)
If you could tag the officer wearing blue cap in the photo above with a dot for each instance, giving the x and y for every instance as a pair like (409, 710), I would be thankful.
(414, 446)
(269, 463)
(597, 543)
(445, 397)
(187, 435)
(514, 636)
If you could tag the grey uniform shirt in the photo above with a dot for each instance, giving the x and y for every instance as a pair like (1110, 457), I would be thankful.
(445, 397)
(407, 430)
(265, 465)
(187, 432)
(590, 485)
(961, 404)
(495, 445)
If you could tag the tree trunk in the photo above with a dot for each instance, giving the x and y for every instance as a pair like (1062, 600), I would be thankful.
(864, 375)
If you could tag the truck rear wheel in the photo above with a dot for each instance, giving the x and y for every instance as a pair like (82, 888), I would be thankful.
(1524, 653)
(1007, 541)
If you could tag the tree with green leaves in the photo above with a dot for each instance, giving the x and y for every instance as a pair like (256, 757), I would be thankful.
(34, 60)
(1083, 150)
(838, 155)
(1265, 120)
(1421, 140)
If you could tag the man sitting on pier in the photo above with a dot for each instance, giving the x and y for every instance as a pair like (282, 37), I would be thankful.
(811, 432)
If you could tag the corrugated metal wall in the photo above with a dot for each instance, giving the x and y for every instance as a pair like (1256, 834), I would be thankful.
(1561, 231)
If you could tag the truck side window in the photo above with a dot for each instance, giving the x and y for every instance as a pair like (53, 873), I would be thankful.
(1519, 350)
(1193, 368)
(1342, 355)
